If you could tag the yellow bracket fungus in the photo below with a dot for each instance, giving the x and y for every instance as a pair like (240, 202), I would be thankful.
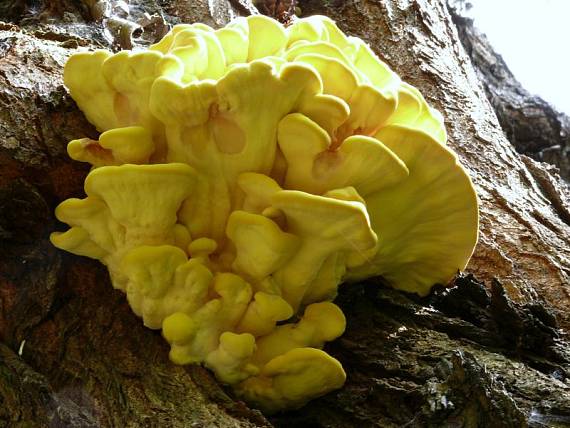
(242, 174)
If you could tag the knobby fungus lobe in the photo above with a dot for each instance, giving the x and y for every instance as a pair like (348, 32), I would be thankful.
(242, 174)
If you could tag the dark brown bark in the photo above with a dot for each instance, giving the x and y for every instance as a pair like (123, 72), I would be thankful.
(463, 357)
(470, 356)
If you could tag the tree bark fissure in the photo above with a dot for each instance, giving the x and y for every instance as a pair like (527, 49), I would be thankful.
(531, 124)
(468, 356)
(465, 356)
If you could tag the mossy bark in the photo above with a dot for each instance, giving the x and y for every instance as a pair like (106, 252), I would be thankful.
(490, 352)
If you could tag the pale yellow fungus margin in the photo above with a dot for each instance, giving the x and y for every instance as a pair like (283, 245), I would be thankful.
(242, 174)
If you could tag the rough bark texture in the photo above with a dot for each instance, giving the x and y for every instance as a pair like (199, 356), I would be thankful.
(489, 352)
(532, 125)
(464, 357)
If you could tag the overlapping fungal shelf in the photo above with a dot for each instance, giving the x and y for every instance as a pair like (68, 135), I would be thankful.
(242, 174)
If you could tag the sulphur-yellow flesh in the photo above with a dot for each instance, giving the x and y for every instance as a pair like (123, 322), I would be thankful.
(242, 174)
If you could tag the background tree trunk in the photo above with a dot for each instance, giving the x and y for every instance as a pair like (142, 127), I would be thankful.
(491, 351)
(532, 125)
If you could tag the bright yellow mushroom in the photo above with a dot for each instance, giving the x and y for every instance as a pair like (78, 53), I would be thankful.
(162, 281)
(429, 234)
(230, 361)
(263, 313)
(242, 174)
(76, 240)
(315, 166)
(321, 322)
(261, 246)
(327, 226)
(117, 146)
(292, 379)
(194, 336)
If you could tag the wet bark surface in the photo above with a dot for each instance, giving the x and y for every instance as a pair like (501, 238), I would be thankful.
(491, 351)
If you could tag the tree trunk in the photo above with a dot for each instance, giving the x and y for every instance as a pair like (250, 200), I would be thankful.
(532, 125)
(491, 351)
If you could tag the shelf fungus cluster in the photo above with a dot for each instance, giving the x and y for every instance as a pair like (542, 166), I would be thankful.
(242, 174)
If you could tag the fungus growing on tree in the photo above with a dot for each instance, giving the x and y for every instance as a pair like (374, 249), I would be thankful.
(242, 174)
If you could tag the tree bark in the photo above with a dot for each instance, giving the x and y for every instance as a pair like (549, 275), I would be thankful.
(491, 351)
(532, 125)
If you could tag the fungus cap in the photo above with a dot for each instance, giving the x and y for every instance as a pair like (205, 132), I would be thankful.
(242, 174)
(290, 380)
(426, 240)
